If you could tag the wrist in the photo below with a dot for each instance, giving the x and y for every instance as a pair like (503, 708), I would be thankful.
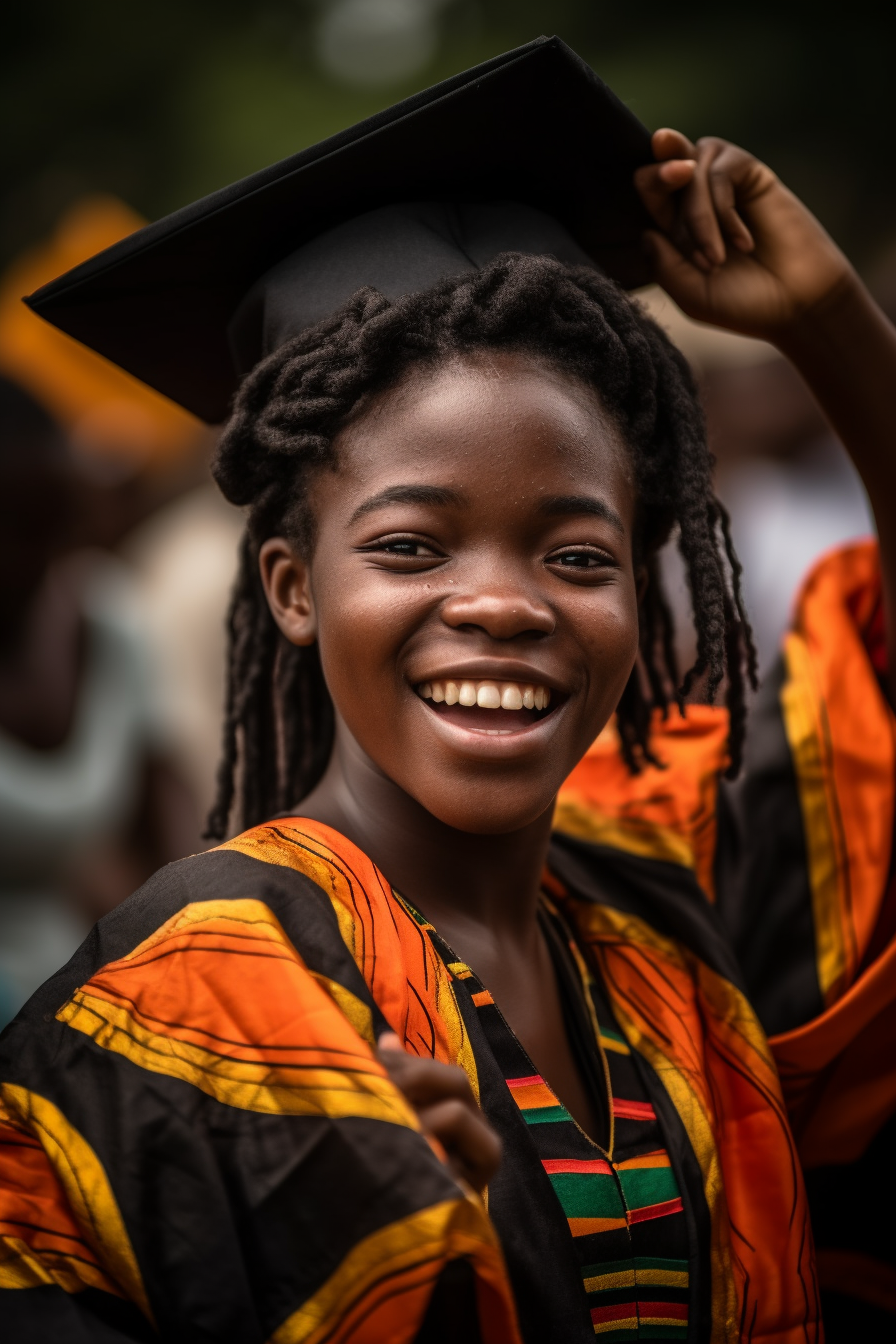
(833, 323)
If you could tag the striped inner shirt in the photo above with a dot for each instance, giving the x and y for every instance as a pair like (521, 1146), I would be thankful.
(622, 1203)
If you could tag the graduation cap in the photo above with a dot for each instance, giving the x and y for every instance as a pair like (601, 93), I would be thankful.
(527, 152)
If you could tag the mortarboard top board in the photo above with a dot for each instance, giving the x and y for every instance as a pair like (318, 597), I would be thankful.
(534, 126)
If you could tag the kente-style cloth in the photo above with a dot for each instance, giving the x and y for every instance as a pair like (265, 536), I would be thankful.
(199, 1143)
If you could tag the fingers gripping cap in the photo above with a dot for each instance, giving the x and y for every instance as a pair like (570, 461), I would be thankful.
(397, 250)
(250, 265)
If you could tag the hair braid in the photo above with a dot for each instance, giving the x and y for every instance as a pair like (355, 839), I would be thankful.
(278, 726)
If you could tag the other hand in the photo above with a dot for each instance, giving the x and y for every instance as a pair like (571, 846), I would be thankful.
(733, 246)
(443, 1099)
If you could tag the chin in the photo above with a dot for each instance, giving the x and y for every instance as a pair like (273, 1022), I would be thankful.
(489, 810)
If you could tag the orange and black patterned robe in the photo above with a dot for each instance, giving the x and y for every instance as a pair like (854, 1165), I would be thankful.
(198, 1143)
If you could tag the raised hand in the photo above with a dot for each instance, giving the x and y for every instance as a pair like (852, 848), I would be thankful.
(732, 245)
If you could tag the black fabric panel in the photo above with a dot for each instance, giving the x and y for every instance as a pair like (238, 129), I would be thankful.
(235, 1217)
(361, 1175)
(539, 1252)
(762, 876)
(665, 895)
(48, 1315)
(848, 1321)
(300, 905)
(852, 1205)
(452, 1315)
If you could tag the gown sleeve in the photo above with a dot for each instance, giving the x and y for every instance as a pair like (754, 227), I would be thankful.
(804, 861)
(198, 1141)
(806, 886)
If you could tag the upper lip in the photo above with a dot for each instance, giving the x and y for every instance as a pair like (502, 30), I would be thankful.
(484, 669)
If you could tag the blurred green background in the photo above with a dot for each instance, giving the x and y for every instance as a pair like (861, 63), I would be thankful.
(161, 103)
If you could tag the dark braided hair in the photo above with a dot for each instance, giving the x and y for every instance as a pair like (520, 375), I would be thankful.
(279, 718)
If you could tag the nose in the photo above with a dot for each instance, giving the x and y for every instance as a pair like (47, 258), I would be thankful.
(503, 611)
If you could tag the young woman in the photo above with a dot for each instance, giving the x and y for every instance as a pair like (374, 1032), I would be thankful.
(392, 1063)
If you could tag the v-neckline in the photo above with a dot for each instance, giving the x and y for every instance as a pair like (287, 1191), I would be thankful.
(570, 978)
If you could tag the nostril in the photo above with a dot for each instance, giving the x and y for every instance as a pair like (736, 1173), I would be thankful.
(495, 631)
(500, 617)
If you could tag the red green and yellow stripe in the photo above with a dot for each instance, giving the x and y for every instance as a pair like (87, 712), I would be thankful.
(612, 1041)
(535, 1099)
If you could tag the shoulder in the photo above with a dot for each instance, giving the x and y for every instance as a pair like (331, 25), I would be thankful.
(268, 871)
(236, 943)
(665, 812)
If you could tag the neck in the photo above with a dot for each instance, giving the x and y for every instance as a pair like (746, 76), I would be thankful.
(471, 887)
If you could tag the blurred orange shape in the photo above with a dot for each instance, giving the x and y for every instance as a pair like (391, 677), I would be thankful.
(110, 416)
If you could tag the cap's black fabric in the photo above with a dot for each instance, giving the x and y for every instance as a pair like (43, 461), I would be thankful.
(399, 249)
(534, 126)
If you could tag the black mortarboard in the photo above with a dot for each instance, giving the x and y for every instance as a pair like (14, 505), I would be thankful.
(527, 152)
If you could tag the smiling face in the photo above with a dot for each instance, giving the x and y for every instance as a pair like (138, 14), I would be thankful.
(472, 586)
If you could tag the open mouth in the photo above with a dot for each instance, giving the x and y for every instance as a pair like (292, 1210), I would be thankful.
(489, 706)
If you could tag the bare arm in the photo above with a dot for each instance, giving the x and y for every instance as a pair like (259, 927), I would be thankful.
(734, 247)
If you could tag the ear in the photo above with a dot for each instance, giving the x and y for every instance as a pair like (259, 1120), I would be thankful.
(642, 578)
(287, 585)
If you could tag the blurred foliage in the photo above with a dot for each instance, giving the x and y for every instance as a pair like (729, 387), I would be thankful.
(159, 104)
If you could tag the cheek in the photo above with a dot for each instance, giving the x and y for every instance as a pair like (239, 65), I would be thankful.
(363, 625)
(609, 632)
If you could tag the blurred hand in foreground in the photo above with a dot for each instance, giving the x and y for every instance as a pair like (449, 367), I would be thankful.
(443, 1099)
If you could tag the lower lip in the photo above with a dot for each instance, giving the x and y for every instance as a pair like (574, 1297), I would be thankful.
(492, 726)
(475, 719)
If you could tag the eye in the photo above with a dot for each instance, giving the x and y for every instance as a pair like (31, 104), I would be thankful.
(407, 548)
(403, 547)
(587, 558)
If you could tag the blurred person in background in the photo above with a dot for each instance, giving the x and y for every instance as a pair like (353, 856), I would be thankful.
(183, 559)
(144, 489)
(88, 805)
(135, 448)
(787, 482)
(94, 792)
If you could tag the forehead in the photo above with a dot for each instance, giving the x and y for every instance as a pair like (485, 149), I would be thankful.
(492, 422)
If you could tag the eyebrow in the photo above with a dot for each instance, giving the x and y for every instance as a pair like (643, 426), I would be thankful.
(578, 504)
(439, 496)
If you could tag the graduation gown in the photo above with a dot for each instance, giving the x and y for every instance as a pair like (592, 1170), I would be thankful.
(198, 1141)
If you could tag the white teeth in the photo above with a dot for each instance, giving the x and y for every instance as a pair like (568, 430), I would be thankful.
(488, 696)
(509, 695)
(467, 694)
